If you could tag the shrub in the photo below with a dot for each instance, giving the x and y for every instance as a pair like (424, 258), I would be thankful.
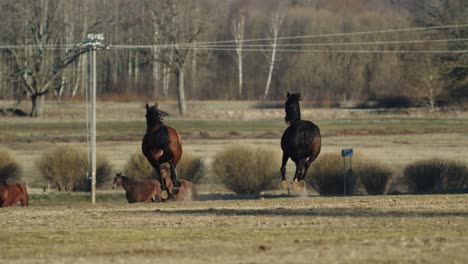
(10, 170)
(429, 176)
(65, 168)
(139, 168)
(247, 170)
(190, 168)
(326, 174)
(373, 175)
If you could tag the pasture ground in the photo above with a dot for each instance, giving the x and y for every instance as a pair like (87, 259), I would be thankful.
(65, 228)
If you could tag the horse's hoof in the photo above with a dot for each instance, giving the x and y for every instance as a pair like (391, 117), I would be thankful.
(285, 184)
(302, 184)
(164, 195)
(175, 191)
(296, 186)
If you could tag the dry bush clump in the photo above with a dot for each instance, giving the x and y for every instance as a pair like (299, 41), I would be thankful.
(373, 175)
(10, 170)
(247, 170)
(190, 168)
(436, 175)
(139, 168)
(65, 168)
(326, 174)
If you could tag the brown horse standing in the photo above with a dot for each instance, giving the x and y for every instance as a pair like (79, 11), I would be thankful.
(161, 144)
(11, 194)
(138, 192)
(186, 191)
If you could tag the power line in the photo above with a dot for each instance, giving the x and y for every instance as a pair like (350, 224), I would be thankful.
(215, 45)
(343, 51)
(334, 34)
(338, 43)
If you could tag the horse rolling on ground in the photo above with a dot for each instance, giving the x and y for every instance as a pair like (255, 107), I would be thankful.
(138, 192)
(187, 191)
(161, 144)
(301, 142)
(12, 193)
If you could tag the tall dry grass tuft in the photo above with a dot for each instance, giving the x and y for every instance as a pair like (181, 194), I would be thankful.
(247, 170)
(10, 170)
(190, 168)
(436, 175)
(65, 168)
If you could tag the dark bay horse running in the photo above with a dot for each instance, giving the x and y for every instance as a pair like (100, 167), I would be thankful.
(138, 192)
(161, 144)
(12, 193)
(301, 142)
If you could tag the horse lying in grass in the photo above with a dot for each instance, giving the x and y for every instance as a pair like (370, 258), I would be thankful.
(186, 190)
(138, 192)
(12, 193)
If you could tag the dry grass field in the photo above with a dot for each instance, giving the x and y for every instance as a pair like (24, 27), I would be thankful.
(65, 228)
(362, 229)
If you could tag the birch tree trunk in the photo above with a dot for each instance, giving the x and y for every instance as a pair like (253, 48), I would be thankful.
(238, 26)
(179, 73)
(275, 25)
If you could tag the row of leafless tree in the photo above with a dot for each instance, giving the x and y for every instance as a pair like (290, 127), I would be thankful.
(204, 49)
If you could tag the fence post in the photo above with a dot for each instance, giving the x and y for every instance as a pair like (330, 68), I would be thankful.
(347, 153)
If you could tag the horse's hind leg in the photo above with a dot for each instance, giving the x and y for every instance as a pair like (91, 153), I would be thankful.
(297, 185)
(175, 182)
(283, 171)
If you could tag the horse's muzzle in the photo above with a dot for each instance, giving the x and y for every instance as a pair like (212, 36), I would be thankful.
(113, 186)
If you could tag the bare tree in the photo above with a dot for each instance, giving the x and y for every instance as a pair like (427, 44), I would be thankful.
(176, 23)
(430, 86)
(274, 26)
(39, 67)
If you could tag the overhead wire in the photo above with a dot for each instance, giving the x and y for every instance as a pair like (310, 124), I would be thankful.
(227, 45)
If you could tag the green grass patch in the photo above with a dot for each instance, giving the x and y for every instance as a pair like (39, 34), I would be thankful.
(132, 130)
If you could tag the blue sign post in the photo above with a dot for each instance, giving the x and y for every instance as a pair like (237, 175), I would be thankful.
(347, 153)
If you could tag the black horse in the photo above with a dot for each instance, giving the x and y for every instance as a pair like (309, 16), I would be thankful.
(301, 142)
(161, 144)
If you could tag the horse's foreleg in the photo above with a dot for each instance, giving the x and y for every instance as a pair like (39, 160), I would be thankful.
(283, 171)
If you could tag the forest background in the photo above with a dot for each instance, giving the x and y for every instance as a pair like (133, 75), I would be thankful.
(369, 52)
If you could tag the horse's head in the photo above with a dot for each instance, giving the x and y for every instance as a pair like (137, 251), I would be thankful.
(153, 115)
(291, 107)
(117, 180)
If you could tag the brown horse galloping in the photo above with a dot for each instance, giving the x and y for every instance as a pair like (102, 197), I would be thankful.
(301, 142)
(138, 192)
(161, 144)
(11, 194)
